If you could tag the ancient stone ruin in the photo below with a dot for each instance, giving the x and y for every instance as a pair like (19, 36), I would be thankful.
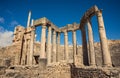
(26, 58)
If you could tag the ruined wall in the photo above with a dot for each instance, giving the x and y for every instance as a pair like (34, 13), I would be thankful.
(54, 71)
(114, 48)
(95, 72)
(8, 53)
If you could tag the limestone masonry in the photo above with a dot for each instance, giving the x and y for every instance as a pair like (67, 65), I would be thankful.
(27, 58)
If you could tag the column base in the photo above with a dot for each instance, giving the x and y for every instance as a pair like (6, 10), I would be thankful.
(43, 62)
(107, 65)
(93, 65)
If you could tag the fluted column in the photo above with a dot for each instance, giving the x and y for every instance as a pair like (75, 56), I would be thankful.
(49, 46)
(54, 46)
(103, 40)
(58, 46)
(66, 45)
(84, 46)
(91, 44)
(74, 45)
(43, 41)
(32, 45)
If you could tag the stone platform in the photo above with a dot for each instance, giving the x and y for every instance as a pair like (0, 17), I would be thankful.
(59, 70)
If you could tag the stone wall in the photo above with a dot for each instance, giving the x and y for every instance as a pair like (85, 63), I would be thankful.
(36, 71)
(60, 70)
(8, 53)
(96, 72)
(114, 48)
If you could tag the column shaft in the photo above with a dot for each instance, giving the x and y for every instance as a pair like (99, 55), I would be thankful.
(23, 60)
(66, 46)
(84, 46)
(74, 45)
(58, 46)
(28, 51)
(49, 46)
(28, 22)
(43, 41)
(54, 46)
(32, 47)
(91, 44)
(103, 40)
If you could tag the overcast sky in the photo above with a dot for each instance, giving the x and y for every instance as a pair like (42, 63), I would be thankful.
(60, 12)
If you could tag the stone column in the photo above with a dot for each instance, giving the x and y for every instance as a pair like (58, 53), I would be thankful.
(103, 40)
(91, 44)
(54, 46)
(66, 46)
(84, 46)
(23, 60)
(28, 22)
(32, 45)
(43, 41)
(74, 45)
(49, 46)
(28, 51)
(58, 46)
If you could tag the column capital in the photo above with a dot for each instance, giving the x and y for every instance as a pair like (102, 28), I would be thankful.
(99, 13)
(32, 28)
(49, 27)
(58, 32)
(54, 32)
(65, 33)
(44, 26)
(73, 30)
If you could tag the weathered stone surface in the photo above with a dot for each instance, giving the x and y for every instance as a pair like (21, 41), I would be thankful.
(114, 47)
(26, 58)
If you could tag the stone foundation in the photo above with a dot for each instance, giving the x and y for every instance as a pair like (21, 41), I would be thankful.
(93, 72)
(59, 70)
